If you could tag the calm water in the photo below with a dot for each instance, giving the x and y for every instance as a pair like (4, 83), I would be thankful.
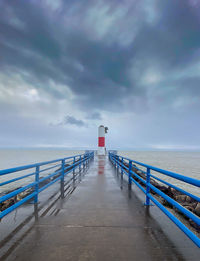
(185, 163)
(10, 158)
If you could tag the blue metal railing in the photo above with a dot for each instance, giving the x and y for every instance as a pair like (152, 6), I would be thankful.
(59, 168)
(144, 182)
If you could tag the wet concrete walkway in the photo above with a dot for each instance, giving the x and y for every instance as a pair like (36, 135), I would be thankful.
(98, 222)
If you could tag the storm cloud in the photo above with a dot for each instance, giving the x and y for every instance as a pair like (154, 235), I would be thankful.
(73, 121)
(131, 65)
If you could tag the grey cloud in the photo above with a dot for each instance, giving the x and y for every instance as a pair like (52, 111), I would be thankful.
(105, 65)
(73, 121)
(50, 50)
(94, 116)
(36, 50)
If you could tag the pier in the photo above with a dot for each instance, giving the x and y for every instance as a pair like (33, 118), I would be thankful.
(100, 219)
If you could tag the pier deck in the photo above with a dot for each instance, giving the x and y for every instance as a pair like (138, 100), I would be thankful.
(102, 221)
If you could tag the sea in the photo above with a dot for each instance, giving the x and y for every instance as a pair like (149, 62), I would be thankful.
(186, 163)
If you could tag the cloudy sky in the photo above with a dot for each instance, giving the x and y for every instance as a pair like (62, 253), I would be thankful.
(68, 66)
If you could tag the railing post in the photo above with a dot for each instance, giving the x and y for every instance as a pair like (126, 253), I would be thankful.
(148, 176)
(80, 164)
(129, 174)
(117, 164)
(37, 171)
(122, 172)
(74, 160)
(83, 162)
(122, 162)
(62, 178)
(86, 161)
(74, 165)
(74, 171)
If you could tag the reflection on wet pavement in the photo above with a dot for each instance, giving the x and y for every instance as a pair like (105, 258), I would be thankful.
(100, 219)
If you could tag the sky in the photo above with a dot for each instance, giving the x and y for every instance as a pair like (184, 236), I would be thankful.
(67, 67)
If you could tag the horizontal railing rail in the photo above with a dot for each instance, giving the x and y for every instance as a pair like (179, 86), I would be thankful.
(144, 180)
(54, 173)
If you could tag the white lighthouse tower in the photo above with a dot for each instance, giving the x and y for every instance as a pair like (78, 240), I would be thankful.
(101, 140)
